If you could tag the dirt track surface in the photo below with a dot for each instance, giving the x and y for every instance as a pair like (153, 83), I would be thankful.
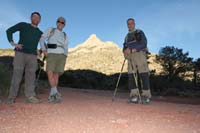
(93, 112)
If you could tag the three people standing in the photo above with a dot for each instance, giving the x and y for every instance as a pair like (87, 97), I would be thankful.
(54, 45)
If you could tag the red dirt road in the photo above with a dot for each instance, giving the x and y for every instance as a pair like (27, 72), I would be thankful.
(93, 112)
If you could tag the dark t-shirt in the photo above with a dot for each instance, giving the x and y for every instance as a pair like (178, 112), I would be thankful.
(29, 36)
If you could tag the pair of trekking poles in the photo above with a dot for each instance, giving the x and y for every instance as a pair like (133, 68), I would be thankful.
(135, 78)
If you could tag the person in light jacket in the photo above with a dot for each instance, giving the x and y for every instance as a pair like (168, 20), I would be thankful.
(54, 44)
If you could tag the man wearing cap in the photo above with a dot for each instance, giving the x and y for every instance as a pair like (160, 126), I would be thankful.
(54, 45)
(25, 59)
(135, 48)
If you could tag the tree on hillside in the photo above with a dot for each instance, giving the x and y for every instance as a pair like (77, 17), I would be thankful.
(174, 61)
(196, 70)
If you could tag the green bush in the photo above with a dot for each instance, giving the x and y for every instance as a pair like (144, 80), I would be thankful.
(83, 79)
(160, 85)
(5, 78)
(88, 79)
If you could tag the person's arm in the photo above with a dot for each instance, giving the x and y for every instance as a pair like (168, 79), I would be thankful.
(142, 43)
(125, 46)
(44, 38)
(66, 46)
(10, 31)
(126, 50)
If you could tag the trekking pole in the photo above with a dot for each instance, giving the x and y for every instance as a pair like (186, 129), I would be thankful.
(136, 82)
(113, 98)
(38, 76)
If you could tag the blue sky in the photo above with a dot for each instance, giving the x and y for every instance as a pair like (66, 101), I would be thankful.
(165, 22)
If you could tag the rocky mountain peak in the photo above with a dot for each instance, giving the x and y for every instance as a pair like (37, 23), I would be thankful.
(93, 39)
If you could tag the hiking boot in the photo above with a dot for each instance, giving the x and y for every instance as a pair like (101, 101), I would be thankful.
(59, 94)
(10, 101)
(51, 99)
(145, 100)
(133, 99)
(33, 100)
(58, 97)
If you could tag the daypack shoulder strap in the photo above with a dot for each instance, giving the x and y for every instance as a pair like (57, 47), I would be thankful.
(53, 31)
(65, 35)
(138, 30)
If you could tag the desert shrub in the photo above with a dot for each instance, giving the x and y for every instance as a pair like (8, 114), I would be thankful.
(5, 79)
(83, 79)
(177, 87)
(174, 61)
(123, 84)
(88, 79)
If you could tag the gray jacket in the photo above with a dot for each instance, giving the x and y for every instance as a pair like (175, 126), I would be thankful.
(135, 39)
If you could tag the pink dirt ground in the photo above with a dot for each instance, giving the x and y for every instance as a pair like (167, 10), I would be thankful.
(94, 112)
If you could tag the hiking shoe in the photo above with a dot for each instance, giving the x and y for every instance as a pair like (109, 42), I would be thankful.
(133, 99)
(58, 97)
(145, 100)
(59, 94)
(51, 99)
(33, 100)
(10, 101)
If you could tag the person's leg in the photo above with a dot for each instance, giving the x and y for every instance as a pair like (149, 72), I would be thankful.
(52, 81)
(30, 70)
(144, 76)
(15, 83)
(146, 92)
(145, 84)
(58, 96)
(51, 65)
(55, 96)
(59, 69)
(18, 70)
(132, 80)
(55, 66)
(56, 77)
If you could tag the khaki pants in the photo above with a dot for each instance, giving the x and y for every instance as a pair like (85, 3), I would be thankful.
(28, 63)
(138, 62)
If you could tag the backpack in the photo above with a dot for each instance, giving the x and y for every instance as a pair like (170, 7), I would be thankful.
(137, 35)
(53, 31)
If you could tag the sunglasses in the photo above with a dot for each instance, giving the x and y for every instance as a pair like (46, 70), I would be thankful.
(61, 22)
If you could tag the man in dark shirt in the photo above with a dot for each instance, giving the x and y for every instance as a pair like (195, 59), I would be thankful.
(134, 50)
(25, 57)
